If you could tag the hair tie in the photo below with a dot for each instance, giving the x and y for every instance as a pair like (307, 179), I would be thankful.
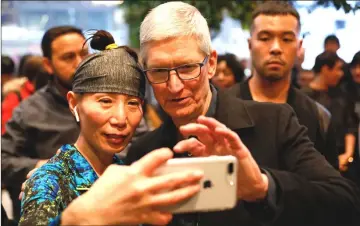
(111, 46)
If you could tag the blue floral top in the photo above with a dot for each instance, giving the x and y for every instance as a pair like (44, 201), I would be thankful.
(54, 185)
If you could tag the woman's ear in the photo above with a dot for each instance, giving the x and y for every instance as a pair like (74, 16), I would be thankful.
(73, 102)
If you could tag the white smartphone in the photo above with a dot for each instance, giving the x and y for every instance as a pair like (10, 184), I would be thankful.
(218, 186)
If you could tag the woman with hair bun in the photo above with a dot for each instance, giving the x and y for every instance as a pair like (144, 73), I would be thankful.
(228, 71)
(106, 100)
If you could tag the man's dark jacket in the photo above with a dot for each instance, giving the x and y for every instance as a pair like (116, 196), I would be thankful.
(311, 114)
(309, 190)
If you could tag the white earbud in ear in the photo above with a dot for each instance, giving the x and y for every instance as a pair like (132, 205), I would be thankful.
(76, 114)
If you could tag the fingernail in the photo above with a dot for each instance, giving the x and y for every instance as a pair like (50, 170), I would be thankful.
(193, 136)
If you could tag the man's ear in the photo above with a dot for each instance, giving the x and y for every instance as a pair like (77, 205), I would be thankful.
(47, 66)
(300, 44)
(249, 43)
(213, 63)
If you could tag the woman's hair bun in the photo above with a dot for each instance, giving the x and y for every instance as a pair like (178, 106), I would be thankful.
(101, 39)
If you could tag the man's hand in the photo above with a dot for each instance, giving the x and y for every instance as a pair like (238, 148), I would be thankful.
(37, 166)
(343, 162)
(131, 195)
(40, 163)
(31, 172)
(214, 138)
(23, 184)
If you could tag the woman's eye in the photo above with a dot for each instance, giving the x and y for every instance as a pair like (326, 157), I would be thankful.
(134, 103)
(105, 101)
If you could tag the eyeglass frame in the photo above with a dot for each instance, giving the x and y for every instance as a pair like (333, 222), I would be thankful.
(177, 73)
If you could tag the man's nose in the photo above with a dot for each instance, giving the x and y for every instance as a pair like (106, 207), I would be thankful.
(276, 47)
(78, 60)
(220, 76)
(175, 84)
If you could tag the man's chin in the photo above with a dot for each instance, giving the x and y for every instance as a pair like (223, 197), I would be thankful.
(274, 77)
(65, 84)
(180, 113)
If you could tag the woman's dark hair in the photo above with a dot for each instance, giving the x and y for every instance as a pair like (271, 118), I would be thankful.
(101, 38)
(356, 60)
(32, 67)
(326, 58)
(7, 65)
(234, 66)
(23, 59)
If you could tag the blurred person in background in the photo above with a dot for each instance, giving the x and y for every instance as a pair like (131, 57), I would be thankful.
(353, 94)
(275, 48)
(33, 68)
(354, 87)
(228, 71)
(22, 61)
(7, 72)
(299, 76)
(324, 89)
(331, 44)
(16, 84)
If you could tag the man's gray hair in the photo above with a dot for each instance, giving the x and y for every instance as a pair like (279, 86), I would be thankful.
(171, 20)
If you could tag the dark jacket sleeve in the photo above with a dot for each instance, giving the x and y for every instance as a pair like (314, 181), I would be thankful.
(326, 136)
(310, 190)
(15, 151)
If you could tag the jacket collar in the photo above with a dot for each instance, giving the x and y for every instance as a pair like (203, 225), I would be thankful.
(233, 112)
(51, 88)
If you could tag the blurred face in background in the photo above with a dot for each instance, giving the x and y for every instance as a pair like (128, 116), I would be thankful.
(305, 77)
(333, 75)
(332, 46)
(355, 73)
(67, 53)
(300, 57)
(224, 76)
(274, 45)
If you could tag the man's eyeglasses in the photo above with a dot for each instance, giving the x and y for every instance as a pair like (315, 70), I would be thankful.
(184, 72)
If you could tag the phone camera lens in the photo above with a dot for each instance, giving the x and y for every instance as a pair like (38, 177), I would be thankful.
(231, 168)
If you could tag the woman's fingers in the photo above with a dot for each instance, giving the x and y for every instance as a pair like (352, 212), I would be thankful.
(31, 172)
(174, 196)
(171, 181)
(147, 164)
